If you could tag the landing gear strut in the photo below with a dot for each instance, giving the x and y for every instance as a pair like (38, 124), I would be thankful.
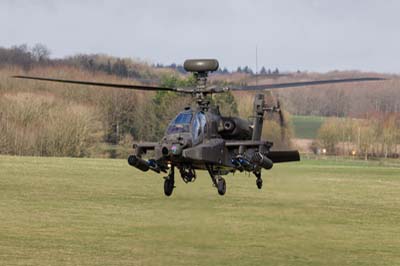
(259, 181)
(169, 183)
(218, 181)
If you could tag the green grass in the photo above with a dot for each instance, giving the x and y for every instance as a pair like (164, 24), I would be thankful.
(57, 211)
(306, 127)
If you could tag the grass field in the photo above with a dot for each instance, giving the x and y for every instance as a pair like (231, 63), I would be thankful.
(306, 127)
(57, 211)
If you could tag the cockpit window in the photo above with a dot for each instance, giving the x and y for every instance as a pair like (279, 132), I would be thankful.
(181, 124)
(196, 128)
(199, 123)
(183, 118)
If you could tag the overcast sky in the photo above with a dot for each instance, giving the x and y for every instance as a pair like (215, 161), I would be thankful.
(299, 34)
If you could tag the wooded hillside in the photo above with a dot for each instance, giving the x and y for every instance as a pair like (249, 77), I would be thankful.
(51, 119)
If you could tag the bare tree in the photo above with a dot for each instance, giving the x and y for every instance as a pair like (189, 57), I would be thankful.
(40, 52)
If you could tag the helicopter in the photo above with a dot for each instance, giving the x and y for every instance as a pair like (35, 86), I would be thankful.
(201, 138)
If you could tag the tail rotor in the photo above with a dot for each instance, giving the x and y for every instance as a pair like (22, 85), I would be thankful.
(282, 120)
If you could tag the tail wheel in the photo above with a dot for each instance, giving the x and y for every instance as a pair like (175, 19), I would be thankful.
(168, 186)
(221, 186)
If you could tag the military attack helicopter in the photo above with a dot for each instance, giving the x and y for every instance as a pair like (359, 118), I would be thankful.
(201, 138)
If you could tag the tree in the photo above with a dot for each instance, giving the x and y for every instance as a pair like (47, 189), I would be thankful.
(247, 70)
(16, 55)
(263, 71)
(227, 103)
(119, 112)
(366, 137)
(328, 135)
(40, 52)
(120, 68)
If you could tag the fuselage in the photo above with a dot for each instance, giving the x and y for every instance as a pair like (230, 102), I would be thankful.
(198, 137)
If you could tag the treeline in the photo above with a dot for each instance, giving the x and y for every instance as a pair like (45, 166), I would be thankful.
(39, 55)
(376, 136)
(28, 58)
(24, 56)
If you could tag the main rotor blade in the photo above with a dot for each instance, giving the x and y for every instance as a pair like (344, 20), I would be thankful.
(113, 85)
(301, 84)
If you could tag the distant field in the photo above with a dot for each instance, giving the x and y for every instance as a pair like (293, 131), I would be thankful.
(56, 211)
(306, 127)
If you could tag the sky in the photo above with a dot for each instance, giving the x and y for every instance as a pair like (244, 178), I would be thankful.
(310, 35)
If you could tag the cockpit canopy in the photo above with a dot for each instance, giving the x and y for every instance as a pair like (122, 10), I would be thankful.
(180, 124)
(189, 122)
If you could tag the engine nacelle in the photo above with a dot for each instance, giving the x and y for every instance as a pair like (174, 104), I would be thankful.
(234, 128)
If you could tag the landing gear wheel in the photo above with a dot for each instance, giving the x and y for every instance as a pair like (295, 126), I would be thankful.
(169, 183)
(259, 183)
(168, 186)
(221, 186)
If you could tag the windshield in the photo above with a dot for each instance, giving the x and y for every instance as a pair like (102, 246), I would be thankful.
(180, 124)
(198, 126)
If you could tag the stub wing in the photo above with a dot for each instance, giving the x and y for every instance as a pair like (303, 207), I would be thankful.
(143, 147)
(274, 156)
(247, 144)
